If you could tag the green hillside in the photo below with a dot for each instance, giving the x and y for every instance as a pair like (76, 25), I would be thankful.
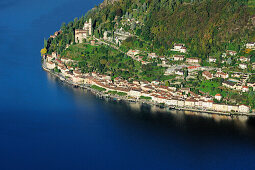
(206, 26)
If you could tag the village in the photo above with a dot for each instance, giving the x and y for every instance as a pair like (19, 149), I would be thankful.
(157, 92)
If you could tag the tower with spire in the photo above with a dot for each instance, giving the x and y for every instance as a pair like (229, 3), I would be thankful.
(88, 26)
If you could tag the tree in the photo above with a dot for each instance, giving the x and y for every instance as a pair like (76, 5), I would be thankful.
(45, 43)
(43, 51)
(133, 25)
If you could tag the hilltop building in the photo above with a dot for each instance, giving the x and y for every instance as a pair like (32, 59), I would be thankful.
(81, 34)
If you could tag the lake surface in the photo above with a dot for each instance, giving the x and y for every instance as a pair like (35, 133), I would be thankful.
(45, 124)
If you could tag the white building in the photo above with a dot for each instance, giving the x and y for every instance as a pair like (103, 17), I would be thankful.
(212, 60)
(134, 93)
(232, 53)
(244, 59)
(245, 89)
(243, 66)
(192, 60)
(250, 45)
(244, 109)
(183, 50)
(152, 55)
(218, 97)
(50, 65)
(178, 57)
(133, 53)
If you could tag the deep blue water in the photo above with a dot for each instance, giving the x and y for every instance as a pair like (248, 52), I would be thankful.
(45, 124)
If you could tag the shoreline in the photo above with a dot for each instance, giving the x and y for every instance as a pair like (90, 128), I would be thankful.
(142, 101)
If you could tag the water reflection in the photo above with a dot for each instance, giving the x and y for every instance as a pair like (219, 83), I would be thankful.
(85, 99)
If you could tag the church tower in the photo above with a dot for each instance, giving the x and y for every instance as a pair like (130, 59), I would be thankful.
(90, 26)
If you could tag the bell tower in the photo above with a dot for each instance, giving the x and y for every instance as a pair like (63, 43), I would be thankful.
(90, 26)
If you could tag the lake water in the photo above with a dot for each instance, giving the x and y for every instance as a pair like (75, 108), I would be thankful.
(45, 124)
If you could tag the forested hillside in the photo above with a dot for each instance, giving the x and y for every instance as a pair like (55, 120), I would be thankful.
(206, 26)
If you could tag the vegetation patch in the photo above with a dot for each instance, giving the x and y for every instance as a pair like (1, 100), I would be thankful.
(145, 98)
(98, 88)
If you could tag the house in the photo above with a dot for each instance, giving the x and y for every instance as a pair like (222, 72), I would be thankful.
(181, 103)
(178, 47)
(162, 58)
(54, 55)
(136, 82)
(178, 57)
(77, 73)
(93, 42)
(250, 45)
(172, 102)
(133, 53)
(152, 55)
(218, 97)
(221, 75)
(243, 66)
(244, 109)
(232, 53)
(57, 33)
(155, 82)
(192, 60)
(237, 75)
(220, 107)
(78, 79)
(193, 68)
(134, 93)
(253, 66)
(212, 60)
(50, 65)
(183, 50)
(232, 108)
(244, 59)
(250, 84)
(207, 75)
(190, 102)
(53, 36)
(245, 89)
(179, 72)
(207, 104)
(65, 60)
(48, 57)
(229, 84)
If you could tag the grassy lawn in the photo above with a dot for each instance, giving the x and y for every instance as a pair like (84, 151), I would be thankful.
(121, 94)
(211, 87)
(98, 88)
(146, 98)
(112, 92)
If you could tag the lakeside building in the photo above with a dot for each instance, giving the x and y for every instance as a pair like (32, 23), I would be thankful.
(156, 91)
